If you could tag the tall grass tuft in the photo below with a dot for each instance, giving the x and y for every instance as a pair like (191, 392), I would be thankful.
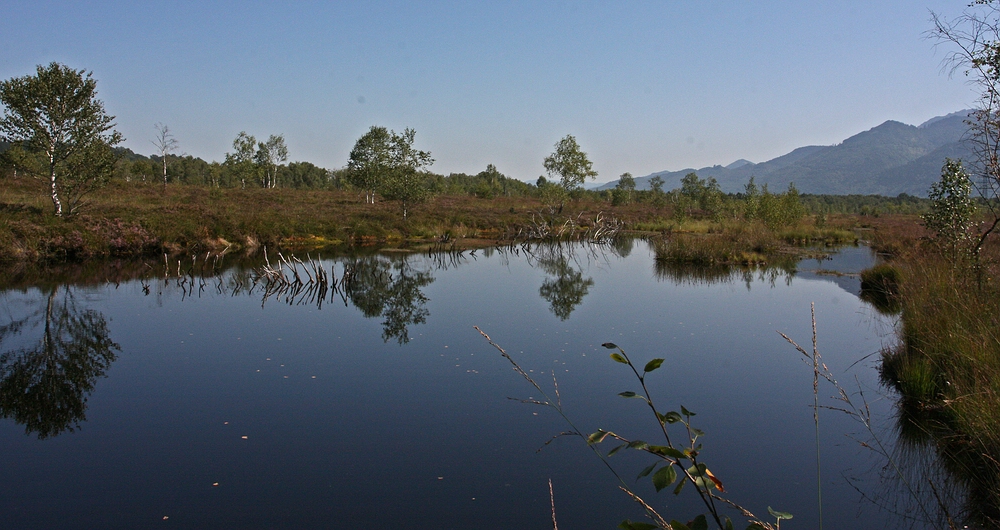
(948, 365)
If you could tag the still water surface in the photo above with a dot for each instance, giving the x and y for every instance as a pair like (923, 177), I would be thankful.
(208, 407)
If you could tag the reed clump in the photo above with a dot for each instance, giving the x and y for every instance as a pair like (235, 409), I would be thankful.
(736, 244)
(880, 287)
(946, 369)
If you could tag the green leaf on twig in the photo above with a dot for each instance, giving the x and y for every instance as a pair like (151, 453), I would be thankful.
(778, 515)
(649, 469)
(617, 357)
(664, 477)
(638, 444)
(610, 345)
(670, 417)
(630, 394)
(597, 437)
(616, 449)
(652, 365)
(664, 450)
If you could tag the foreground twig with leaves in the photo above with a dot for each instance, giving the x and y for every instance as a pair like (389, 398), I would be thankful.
(678, 463)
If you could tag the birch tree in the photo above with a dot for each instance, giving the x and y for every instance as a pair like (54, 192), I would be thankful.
(570, 164)
(241, 160)
(56, 115)
(269, 156)
(385, 162)
(974, 40)
(405, 183)
(370, 161)
(165, 143)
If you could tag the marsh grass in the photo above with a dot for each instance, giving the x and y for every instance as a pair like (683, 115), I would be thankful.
(743, 243)
(180, 218)
(946, 370)
(880, 287)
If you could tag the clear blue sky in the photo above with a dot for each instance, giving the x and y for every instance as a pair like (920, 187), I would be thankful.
(644, 86)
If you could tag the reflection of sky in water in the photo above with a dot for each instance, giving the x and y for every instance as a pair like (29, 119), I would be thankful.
(843, 268)
(307, 418)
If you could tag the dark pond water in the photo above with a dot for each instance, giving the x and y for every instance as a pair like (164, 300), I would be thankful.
(192, 402)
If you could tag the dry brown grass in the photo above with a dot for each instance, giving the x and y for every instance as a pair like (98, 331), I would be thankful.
(136, 218)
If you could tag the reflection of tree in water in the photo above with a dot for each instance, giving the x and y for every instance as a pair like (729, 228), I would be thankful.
(622, 245)
(566, 286)
(390, 288)
(696, 274)
(45, 386)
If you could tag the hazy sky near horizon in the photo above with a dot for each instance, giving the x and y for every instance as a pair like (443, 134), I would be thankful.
(643, 86)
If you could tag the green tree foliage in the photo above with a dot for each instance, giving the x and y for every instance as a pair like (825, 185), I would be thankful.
(696, 196)
(622, 193)
(304, 175)
(657, 197)
(656, 184)
(386, 163)
(551, 194)
(370, 161)
(700, 194)
(864, 204)
(55, 115)
(241, 161)
(269, 157)
(194, 171)
(405, 182)
(490, 183)
(975, 37)
(773, 210)
(952, 211)
(570, 164)
(790, 206)
(486, 184)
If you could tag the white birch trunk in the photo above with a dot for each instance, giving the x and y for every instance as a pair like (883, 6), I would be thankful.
(52, 181)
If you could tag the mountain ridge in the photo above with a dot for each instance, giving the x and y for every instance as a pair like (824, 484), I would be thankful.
(888, 159)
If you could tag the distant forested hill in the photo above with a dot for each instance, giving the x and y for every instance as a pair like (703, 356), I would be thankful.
(890, 159)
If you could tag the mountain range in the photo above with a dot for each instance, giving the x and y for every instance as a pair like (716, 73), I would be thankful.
(889, 159)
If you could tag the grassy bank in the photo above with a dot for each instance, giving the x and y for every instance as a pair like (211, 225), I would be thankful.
(130, 219)
(748, 243)
(946, 367)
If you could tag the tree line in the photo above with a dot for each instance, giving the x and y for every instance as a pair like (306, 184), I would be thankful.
(54, 128)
